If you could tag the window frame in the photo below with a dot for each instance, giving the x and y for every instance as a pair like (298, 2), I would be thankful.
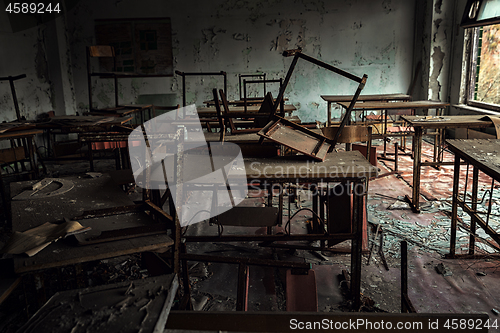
(472, 40)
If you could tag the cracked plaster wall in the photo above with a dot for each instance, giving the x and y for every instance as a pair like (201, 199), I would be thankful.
(25, 53)
(238, 36)
(244, 37)
(440, 49)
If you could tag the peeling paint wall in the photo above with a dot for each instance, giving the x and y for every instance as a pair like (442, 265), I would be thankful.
(244, 37)
(25, 53)
(440, 47)
(375, 37)
(440, 50)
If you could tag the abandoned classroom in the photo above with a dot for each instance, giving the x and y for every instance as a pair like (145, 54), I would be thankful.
(253, 166)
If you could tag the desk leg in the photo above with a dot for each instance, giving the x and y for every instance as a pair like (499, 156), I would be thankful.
(357, 243)
(329, 114)
(472, 240)
(417, 147)
(384, 112)
(91, 157)
(31, 156)
(456, 179)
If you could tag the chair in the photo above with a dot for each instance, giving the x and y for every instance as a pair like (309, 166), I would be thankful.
(351, 134)
(251, 100)
(101, 51)
(107, 53)
(336, 204)
(242, 80)
(261, 118)
(184, 74)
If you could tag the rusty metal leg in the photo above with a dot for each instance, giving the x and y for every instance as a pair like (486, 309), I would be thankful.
(456, 179)
(243, 277)
(436, 145)
(31, 156)
(406, 305)
(404, 275)
(329, 114)
(186, 301)
(91, 157)
(315, 204)
(357, 243)
(116, 152)
(269, 190)
(396, 148)
(472, 240)
(415, 200)
(384, 112)
(280, 203)
(322, 201)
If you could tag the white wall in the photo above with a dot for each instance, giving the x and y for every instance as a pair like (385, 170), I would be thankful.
(375, 37)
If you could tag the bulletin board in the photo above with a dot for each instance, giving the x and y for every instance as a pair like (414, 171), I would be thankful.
(143, 47)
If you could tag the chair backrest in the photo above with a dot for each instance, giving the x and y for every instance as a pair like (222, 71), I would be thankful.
(100, 51)
(184, 74)
(351, 134)
(242, 80)
(248, 100)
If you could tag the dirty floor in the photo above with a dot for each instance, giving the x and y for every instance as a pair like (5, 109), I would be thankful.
(436, 285)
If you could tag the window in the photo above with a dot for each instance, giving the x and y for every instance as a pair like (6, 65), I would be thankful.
(484, 70)
(483, 49)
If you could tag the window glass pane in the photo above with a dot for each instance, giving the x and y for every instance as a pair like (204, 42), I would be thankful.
(489, 9)
(487, 87)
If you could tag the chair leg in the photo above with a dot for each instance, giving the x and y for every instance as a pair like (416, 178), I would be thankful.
(243, 278)
(185, 303)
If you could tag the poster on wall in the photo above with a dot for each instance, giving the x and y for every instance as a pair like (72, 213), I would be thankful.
(143, 47)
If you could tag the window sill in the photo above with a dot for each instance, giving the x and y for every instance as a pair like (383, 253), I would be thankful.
(475, 109)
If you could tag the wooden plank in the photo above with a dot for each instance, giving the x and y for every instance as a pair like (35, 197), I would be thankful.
(396, 105)
(453, 122)
(204, 111)
(19, 134)
(362, 98)
(61, 254)
(7, 286)
(9, 155)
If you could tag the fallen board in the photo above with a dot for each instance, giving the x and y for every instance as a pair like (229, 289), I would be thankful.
(296, 137)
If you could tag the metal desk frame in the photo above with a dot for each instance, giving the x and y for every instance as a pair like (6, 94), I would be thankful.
(317, 174)
(459, 148)
(419, 127)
